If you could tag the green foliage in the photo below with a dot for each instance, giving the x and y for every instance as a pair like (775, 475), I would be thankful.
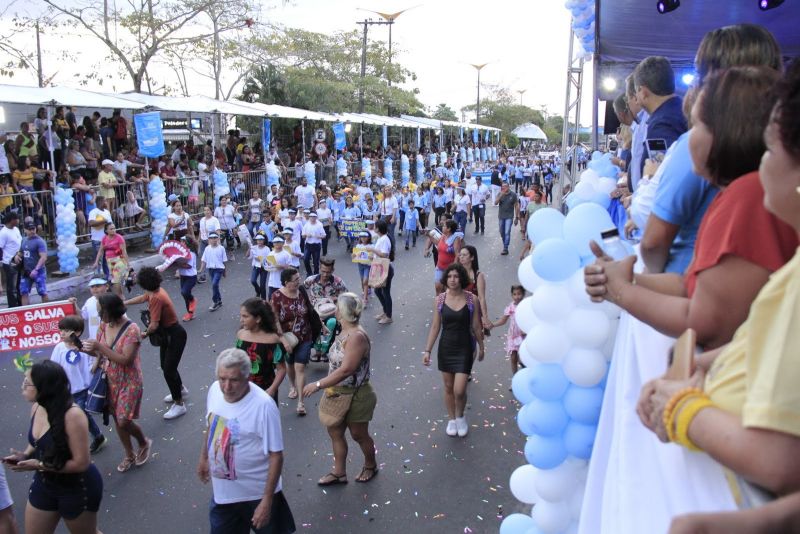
(443, 112)
(511, 140)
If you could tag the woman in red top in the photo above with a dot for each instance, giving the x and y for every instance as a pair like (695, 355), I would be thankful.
(113, 246)
(739, 243)
(164, 325)
(447, 247)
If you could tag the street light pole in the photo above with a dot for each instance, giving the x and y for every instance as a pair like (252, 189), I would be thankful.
(366, 23)
(521, 92)
(478, 102)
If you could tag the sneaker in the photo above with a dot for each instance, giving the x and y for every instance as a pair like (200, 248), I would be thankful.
(461, 426)
(385, 320)
(505, 252)
(188, 317)
(451, 429)
(192, 306)
(406, 247)
(184, 392)
(380, 316)
(215, 306)
(175, 411)
(98, 443)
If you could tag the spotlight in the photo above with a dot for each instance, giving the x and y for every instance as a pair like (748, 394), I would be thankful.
(687, 78)
(665, 6)
(347, 127)
(765, 5)
(609, 84)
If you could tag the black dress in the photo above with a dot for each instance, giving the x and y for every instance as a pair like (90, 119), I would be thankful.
(455, 344)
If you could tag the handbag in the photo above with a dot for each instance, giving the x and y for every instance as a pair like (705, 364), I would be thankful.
(378, 272)
(316, 322)
(333, 407)
(97, 392)
(158, 337)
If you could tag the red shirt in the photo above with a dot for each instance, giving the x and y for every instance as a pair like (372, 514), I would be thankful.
(737, 223)
(113, 245)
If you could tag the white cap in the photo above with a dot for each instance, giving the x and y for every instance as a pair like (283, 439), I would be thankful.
(107, 162)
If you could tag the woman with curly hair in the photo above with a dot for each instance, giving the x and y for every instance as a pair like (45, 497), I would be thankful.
(66, 484)
(457, 316)
(258, 337)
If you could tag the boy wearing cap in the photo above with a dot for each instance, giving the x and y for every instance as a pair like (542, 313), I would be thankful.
(34, 256)
(314, 233)
(214, 258)
(294, 224)
(277, 260)
(292, 247)
(257, 254)
(90, 312)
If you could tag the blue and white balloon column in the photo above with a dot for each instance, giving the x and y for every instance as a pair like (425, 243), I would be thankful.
(432, 161)
(494, 153)
(221, 185)
(341, 167)
(484, 154)
(310, 172)
(366, 168)
(405, 168)
(420, 169)
(477, 154)
(158, 211)
(462, 153)
(470, 155)
(566, 353)
(273, 174)
(388, 169)
(66, 231)
(583, 24)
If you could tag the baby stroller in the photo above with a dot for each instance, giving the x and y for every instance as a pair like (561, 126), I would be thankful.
(330, 329)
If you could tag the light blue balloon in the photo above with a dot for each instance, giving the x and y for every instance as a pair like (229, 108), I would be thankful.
(583, 404)
(545, 452)
(572, 201)
(597, 155)
(548, 381)
(601, 199)
(579, 439)
(555, 260)
(520, 385)
(545, 224)
(524, 421)
(517, 524)
(584, 223)
(548, 418)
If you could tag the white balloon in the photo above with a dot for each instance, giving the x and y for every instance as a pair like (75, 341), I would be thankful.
(572, 528)
(551, 517)
(585, 367)
(584, 190)
(606, 185)
(522, 484)
(525, 354)
(575, 503)
(527, 276)
(556, 484)
(552, 303)
(547, 343)
(577, 290)
(612, 310)
(525, 316)
(590, 176)
(588, 328)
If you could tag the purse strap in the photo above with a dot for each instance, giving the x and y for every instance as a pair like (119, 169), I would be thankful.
(119, 334)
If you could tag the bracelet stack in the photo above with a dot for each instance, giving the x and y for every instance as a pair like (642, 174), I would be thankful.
(679, 413)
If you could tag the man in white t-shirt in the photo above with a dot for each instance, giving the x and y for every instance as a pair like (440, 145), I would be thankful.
(305, 194)
(478, 194)
(313, 233)
(11, 260)
(242, 453)
(98, 218)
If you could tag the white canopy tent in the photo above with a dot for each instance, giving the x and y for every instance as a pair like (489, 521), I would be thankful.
(529, 131)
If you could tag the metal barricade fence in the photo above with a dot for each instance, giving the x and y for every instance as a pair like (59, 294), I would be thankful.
(37, 205)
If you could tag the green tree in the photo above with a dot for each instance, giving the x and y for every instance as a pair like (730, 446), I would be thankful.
(553, 128)
(443, 112)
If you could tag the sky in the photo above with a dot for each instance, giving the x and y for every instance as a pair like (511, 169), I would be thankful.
(524, 42)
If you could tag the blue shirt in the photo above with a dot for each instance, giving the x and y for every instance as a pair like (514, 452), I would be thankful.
(352, 212)
(681, 199)
(439, 201)
(412, 217)
(667, 123)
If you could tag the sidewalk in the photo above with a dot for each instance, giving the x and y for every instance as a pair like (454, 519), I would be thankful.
(63, 288)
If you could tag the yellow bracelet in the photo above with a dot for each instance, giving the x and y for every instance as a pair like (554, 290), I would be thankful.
(669, 409)
(685, 417)
(669, 423)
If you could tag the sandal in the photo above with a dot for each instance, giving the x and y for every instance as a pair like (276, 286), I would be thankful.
(332, 479)
(126, 464)
(292, 393)
(372, 472)
(144, 453)
(301, 410)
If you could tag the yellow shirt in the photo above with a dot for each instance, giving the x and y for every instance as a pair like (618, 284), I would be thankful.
(108, 179)
(757, 376)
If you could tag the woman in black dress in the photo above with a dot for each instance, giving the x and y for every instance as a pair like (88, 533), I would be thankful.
(258, 337)
(457, 315)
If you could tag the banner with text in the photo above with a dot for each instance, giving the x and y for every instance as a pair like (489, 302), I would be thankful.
(32, 327)
(149, 135)
(352, 227)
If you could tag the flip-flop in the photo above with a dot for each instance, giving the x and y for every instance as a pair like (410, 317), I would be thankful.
(301, 410)
(372, 470)
(144, 453)
(126, 464)
(292, 393)
(331, 480)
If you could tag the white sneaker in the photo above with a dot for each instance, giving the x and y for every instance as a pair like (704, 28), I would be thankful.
(461, 426)
(175, 411)
(184, 392)
(451, 428)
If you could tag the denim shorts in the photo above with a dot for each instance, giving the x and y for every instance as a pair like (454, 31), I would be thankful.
(26, 283)
(363, 271)
(301, 353)
(77, 494)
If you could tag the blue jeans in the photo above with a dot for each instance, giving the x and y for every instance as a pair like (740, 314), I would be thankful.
(80, 400)
(505, 231)
(95, 248)
(411, 234)
(216, 276)
(235, 518)
(187, 284)
(460, 217)
(479, 216)
(258, 279)
(311, 258)
(384, 293)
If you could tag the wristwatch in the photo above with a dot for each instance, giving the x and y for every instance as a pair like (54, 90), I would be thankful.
(318, 386)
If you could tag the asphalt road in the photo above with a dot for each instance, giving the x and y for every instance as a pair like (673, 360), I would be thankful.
(428, 482)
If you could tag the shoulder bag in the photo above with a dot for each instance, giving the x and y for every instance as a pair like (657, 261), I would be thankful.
(333, 406)
(97, 392)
